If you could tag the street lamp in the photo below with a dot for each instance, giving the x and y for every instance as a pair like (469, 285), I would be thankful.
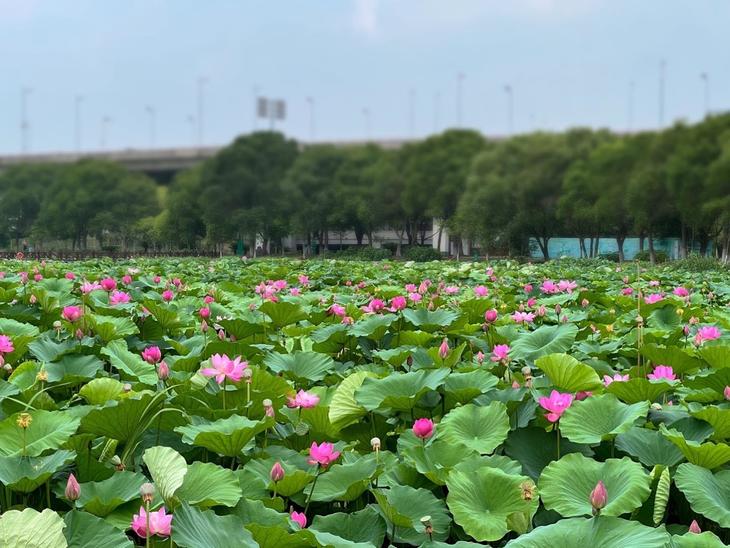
(24, 123)
(706, 79)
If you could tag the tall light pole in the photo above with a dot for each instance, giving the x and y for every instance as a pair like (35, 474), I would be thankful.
(459, 88)
(662, 70)
(366, 116)
(256, 90)
(436, 111)
(152, 114)
(78, 100)
(310, 102)
(510, 108)
(706, 79)
(191, 122)
(24, 123)
(103, 131)
(201, 115)
(412, 113)
(632, 86)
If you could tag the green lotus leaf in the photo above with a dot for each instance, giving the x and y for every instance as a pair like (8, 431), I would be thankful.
(638, 389)
(373, 326)
(255, 511)
(32, 529)
(535, 448)
(344, 409)
(403, 507)
(283, 313)
(568, 374)
(545, 340)
(26, 474)
(363, 526)
(715, 379)
(399, 391)
(111, 328)
(717, 356)
(677, 358)
(464, 387)
(206, 484)
(661, 496)
(303, 366)
(706, 539)
(718, 417)
(486, 501)
(167, 468)
(430, 320)
(100, 391)
(194, 528)
(434, 460)
(344, 482)
(226, 437)
(166, 315)
(649, 446)
(274, 536)
(121, 420)
(131, 364)
(708, 455)
(84, 530)
(48, 430)
(599, 418)
(708, 494)
(102, 497)
(664, 319)
(604, 531)
(74, 369)
(482, 429)
(566, 485)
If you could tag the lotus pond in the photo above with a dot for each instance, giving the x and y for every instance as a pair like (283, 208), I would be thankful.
(278, 403)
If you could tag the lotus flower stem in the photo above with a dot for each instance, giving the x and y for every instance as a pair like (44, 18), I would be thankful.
(557, 431)
(224, 394)
(314, 484)
(147, 528)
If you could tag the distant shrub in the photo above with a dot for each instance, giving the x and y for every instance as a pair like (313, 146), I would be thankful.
(661, 256)
(364, 253)
(612, 256)
(422, 254)
(699, 263)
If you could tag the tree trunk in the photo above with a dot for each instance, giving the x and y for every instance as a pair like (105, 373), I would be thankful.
(641, 241)
(620, 246)
(543, 245)
(652, 251)
(683, 242)
(438, 238)
(582, 247)
(598, 240)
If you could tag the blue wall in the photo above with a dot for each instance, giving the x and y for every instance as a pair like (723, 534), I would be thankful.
(569, 247)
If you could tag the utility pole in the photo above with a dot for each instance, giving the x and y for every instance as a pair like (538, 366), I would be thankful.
(510, 109)
(24, 123)
(706, 79)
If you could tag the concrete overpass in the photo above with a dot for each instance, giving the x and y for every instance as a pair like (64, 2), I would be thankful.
(160, 164)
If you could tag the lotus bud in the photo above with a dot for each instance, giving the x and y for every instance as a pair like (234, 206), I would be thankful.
(490, 316)
(564, 319)
(694, 527)
(163, 370)
(375, 443)
(727, 393)
(599, 496)
(79, 334)
(480, 357)
(147, 492)
(222, 335)
(277, 472)
(541, 310)
(685, 330)
(558, 309)
(73, 489)
(444, 349)
(409, 360)
(204, 326)
(33, 299)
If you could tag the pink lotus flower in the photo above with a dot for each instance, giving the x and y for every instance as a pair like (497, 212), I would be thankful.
(444, 349)
(152, 355)
(374, 307)
(423, 286)
(73, 489)
(694, 527)
(160, 523)
(411, 288)
(662, 372)
(337, 310)
(303, 279)
(556, 404)
(415, 297)
(177, 282)
(163, 371)
(398, 303)
(108, 284)
(295, 292)
(167, 295)
(598, 497)
(224, 367)
(681, 291)
(6, 345)
(532, 301)
(23, 277)
(208, 299)
(653, 298)
(520, 317)
(279, 284)
(204, 312)
(126, 279)
(323, 454)
(654, 283)
(70, 275)
(303, 400)
(119, 297)
(500, 353)
(300, 518)
(72, 313)
(490, 316)
(481, 291)
(277, 472)
(627, 291)
(567, 285)
(548, 286)
(726, 393)
(707, 333)
(38, 277)
(527, 288)
(480, 357)
(451, 290)
(618, 377)
(88, 287)
(423, 428)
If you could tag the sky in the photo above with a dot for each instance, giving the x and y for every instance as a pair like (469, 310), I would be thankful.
(350, 69)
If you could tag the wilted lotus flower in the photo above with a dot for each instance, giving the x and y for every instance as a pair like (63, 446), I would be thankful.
(73, 489)
(375, 443)
(598, 498)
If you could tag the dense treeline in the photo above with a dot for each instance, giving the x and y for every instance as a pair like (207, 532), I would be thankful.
(498, 194)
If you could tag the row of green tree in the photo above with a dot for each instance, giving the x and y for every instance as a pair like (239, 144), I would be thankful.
(500, 195)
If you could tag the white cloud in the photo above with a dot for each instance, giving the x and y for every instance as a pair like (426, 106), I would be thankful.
(365, 16)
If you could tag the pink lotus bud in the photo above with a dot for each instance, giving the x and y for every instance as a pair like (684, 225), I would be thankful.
(584, 303)
(38, 277)
(423, 428)
(163, 371)
(33, 299)
(156, 279)
(558, 309)
(204, 326)
(532, 301)
(204, 312)
(685, 330)
(167, 295)
(277, 472)
(527, 288)
(70, 275)
(490, 315)
(541, 311)
(480, 357)
(73, 490)
(444, 349)
(126, 279)
(598, 498)
(727, 392)
(300, 518)
(221, 335)
(109, 284)
(694, 527)
(152, 354)
(208, 299)
(79, 334)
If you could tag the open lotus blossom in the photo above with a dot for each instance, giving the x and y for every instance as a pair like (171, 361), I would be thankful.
(548, 286)
(555, 404)
(423, 286)
(152, 355)
(662, 372)
(415, 297)
(72, 313)
(119, 297)
(653, 298)
(627, 291)
(88, 287)
(500, 352)
(224, 368)
(481, 291)
(303, 279)
(73, 489)
(299, 518)
(69, 275)
(6, 344)
(398, 303)
(707, 333)
(411, 288)
(527, 288)
(598, 497)
(523, 317)
(618, 377)
(108, 284)
(451, 290)
(323, 454)
(681, 291)
(567, 285)
(337, 310)
(160, 523)
(423, 428)
(444, 349)
(490, 316)
(295, 292)
(374, 306)
(303, 400)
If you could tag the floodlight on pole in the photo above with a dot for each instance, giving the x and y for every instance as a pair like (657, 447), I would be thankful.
(510, 108)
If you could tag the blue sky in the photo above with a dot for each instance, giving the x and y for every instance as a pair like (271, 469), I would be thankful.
(569, 62)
